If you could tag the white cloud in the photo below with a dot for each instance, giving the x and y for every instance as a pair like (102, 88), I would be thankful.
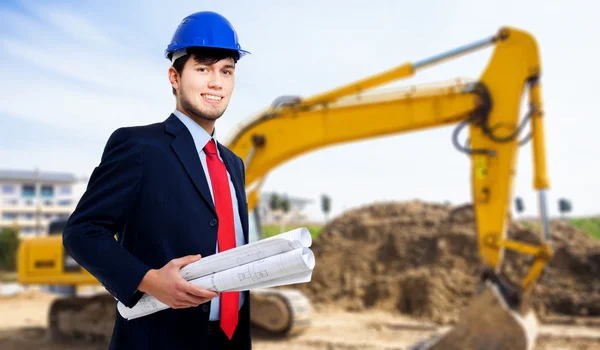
(77, 77)
(102, 70)
(74, 25)
(24, 27)
(75, 109)
(78, 50)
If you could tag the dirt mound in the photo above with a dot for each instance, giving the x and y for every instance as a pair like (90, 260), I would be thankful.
(422, 259)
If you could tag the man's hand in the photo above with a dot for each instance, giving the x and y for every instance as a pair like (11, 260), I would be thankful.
(167, 285)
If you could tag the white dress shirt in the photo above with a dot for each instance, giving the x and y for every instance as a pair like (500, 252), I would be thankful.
(201, 138)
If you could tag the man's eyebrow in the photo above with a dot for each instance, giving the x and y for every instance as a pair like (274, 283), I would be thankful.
(202, 63)
(229, 66)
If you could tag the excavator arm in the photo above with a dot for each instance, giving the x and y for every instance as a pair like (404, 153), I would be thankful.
(489, 107)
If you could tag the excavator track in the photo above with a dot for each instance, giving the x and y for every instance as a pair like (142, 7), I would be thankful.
(82, 319)
(90, 320)
(283, 312)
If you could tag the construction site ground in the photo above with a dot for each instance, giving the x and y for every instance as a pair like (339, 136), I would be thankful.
(23, 326)
(390, 274)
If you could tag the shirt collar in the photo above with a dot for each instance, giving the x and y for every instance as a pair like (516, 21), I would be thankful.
(200, 136)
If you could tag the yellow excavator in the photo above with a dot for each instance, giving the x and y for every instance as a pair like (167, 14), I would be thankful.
(500, 316)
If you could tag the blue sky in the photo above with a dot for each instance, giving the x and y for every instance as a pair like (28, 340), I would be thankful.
(73, 71)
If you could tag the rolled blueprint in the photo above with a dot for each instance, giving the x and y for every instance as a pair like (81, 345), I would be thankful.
(279, 260)
(264, 248)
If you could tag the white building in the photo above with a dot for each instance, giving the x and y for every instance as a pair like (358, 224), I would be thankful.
(297, 210)
(32, 199)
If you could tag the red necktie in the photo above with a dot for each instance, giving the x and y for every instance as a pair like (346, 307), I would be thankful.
(226, 232)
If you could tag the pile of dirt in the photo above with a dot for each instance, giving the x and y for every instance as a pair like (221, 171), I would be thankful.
(421, 259)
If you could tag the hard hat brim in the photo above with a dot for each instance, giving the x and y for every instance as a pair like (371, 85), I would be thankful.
(178, 53)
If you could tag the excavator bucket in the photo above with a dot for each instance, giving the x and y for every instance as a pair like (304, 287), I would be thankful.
(494, 320)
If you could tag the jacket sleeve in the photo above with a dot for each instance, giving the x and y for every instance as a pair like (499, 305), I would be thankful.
(102, 212)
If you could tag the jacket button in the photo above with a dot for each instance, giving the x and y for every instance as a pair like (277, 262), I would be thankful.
(205, 308)
(213, 222)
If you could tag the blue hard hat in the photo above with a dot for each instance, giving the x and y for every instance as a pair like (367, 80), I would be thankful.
(205, 29)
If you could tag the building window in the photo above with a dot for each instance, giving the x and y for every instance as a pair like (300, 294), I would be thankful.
(11, 201)
(48, 203)
(47, 191)
(28, 191)
(9, 216)
(65, 202)
(9, 189)
(29, 203)
(28, 216)
(65, 190)
(27, 230)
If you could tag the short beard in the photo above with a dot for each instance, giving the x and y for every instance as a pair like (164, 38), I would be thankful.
(195, 112)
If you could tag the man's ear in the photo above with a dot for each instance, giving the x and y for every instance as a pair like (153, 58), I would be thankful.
(173, 78)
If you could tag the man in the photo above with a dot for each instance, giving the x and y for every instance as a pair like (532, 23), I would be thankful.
(171, 193)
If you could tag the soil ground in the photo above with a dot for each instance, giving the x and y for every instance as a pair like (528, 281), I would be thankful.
(23, 327)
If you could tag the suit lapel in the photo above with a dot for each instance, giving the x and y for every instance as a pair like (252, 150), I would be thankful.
(235, 174)
(185, 149)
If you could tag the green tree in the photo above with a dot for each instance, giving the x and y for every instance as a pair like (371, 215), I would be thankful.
(519, 205)
(564, 206)
(285, 204)
(274, 202)
(9, 243)
(326, 205)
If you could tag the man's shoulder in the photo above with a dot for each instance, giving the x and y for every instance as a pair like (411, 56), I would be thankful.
(138, 133)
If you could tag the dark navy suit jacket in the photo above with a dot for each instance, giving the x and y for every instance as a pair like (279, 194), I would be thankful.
(150, 190)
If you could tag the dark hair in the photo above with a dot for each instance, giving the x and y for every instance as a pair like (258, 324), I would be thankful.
(204, 55)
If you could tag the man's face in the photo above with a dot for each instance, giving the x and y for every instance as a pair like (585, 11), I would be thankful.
(205, 88)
